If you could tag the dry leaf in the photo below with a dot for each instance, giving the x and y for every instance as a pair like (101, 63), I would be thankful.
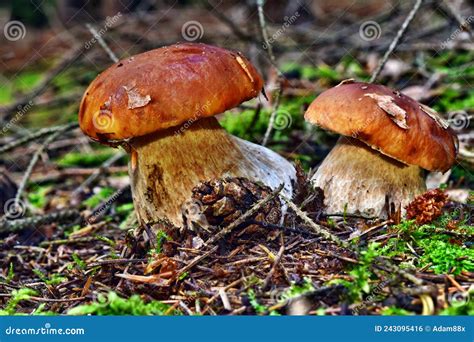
(155, 279)
(397, 114)
(435, 116)
(135, 99)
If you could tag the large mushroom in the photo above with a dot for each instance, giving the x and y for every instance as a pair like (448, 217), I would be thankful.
(160, 105)
(387, 139)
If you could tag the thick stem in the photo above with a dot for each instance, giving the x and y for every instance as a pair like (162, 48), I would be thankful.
(168, 165)
(366, 181)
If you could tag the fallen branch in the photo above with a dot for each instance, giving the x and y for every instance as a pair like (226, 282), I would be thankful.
(266, 282)
(320, 230)
(193, 263)
(37, 135)
(35, 159)
(65, 216)
(115, 262)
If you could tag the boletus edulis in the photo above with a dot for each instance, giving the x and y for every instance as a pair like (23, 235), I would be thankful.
(160, 106)
(386, 140)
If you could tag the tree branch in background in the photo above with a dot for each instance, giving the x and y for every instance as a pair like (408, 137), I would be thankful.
(64, 216)
(35, 159)
(269, 48)
(37, 135)
(102, 43)
(396, 40)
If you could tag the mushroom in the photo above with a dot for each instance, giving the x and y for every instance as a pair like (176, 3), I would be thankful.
(387, 139)
(160, 105)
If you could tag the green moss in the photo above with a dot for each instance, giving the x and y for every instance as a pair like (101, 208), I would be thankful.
(27, 80)
(76, 159)
(248, 126)
(37, 196)
(17, 296)
(114, 305)
(395, 311)
(446, 257)
(259, 308)
(362, 275)
(435, 248)
(310, 72)
(101, 196)
(6, 94)
(53, 279)
(161, 238)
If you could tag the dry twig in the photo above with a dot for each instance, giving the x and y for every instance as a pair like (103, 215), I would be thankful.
(396, 40)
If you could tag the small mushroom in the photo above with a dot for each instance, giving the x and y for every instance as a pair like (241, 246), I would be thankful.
(387, 139)
(160, 105)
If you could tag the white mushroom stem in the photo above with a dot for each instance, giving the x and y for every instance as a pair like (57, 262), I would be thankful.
(167, 165)
(359, 180)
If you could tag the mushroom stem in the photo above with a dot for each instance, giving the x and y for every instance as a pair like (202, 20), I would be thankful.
(170, 163)
(357, 179)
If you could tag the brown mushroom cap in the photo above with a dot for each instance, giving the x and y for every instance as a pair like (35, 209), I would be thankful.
(165, 87)
(388, 121)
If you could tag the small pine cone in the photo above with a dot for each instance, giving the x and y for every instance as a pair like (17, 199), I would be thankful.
(222, 201)
(427, 207)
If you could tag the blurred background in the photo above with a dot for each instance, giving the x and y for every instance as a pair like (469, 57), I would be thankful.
(51, 50)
